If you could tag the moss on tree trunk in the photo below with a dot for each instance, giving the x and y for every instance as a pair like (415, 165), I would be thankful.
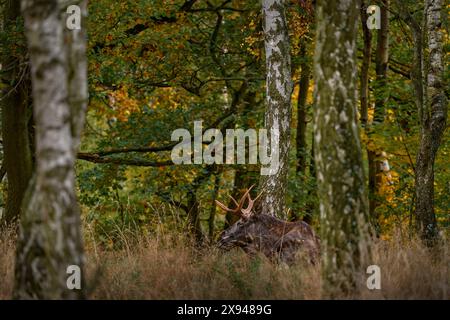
(340, 176)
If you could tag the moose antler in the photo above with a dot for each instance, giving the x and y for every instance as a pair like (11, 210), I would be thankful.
(251, 202)
(238, 210)
(238, 205)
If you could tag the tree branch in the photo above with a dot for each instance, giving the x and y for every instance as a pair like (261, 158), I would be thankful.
(95, 158)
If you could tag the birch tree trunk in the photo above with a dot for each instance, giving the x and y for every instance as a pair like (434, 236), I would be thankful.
(429, 86)
(278, 109)
(15, 117)
(433, 123)
(50, 233)
(340, 176)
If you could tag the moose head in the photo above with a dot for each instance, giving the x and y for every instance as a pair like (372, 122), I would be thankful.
(275, 238)
(244, 231)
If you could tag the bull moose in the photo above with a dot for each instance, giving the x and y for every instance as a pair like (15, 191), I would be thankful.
(259, 232)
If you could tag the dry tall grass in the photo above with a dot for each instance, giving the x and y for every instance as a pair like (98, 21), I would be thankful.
(7, 255)
(171, 267)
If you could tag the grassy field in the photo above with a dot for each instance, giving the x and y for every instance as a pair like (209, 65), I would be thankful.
(170, 266)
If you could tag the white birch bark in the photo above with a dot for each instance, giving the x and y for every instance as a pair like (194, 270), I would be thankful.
(433, 122)
(432, 104)
(50, 231)
(278, 109)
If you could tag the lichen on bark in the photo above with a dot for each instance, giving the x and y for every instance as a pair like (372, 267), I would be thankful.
(345, 236)
(50, 229)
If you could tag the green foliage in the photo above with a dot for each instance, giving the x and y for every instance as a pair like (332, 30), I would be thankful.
(155, 67)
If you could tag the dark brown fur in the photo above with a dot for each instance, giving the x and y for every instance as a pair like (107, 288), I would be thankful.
(277, 239)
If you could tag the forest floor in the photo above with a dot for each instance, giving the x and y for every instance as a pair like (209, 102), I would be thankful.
(171, 267)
